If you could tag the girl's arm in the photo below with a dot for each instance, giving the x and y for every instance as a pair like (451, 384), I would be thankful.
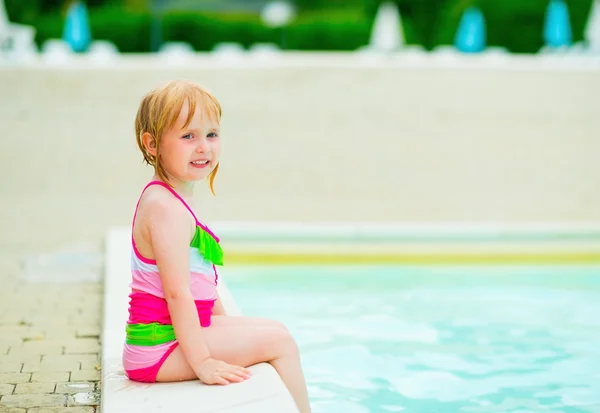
(170, 232)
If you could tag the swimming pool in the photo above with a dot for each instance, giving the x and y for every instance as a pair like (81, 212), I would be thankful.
(437, 339)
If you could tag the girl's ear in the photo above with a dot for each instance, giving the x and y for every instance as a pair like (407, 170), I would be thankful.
(149, 143)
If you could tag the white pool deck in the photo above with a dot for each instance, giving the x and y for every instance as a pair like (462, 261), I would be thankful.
(264, 392)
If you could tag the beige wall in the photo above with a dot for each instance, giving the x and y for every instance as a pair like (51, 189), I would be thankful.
(374, 144)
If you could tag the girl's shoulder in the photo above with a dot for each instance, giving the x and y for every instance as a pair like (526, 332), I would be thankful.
(158, 203)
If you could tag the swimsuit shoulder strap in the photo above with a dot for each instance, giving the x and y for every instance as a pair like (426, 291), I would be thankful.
(175, 194)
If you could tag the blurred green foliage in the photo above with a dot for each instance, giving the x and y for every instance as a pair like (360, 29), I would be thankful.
(320, 24)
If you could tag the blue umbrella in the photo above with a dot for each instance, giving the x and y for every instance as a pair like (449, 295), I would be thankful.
(557, 28)
(471, 34)
(77, 28)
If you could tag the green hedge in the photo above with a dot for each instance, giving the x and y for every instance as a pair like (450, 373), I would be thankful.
(514, 24)
(517, 25)
(131, 32)
(204, 31)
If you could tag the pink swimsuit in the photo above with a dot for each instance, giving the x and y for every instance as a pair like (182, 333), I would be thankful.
(147, 304)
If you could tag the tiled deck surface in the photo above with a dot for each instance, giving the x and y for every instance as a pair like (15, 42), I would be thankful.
(49, 344)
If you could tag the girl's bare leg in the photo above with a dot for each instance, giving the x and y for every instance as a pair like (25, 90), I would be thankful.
(245, 341)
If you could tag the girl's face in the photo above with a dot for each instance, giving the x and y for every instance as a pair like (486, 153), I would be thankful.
(191, 153)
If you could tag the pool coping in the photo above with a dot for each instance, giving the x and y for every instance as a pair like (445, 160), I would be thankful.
(408, 232)
(263, 392)
(392, 243)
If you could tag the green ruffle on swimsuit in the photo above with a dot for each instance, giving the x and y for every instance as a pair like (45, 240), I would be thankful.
(207, 245)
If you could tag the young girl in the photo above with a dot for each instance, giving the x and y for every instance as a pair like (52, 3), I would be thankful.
(177, 328)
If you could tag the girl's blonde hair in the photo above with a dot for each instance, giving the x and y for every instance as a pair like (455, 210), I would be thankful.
(160, 109)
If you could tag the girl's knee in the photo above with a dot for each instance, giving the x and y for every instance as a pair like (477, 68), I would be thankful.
(285, 342)
(279, 342)
(279, 325)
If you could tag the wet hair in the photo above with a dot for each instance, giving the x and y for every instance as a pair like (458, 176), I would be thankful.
(159, 111)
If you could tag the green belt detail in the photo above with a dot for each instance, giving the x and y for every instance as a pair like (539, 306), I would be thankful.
(149, 334)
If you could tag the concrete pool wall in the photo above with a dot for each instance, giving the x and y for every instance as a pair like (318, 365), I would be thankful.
(309, 139)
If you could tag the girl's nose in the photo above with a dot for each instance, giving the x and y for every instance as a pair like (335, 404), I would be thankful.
(202, 145)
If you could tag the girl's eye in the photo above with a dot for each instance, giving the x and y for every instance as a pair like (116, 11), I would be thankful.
(188, 136)
(212, 135)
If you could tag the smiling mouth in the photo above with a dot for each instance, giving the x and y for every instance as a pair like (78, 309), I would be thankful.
(200, 162)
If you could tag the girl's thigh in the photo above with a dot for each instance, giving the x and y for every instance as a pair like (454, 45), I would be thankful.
(241, 341)
(226, 320)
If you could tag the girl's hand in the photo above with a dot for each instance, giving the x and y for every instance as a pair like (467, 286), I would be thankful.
(213, 371)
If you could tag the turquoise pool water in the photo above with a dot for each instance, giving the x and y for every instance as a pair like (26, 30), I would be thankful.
(439, 339)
